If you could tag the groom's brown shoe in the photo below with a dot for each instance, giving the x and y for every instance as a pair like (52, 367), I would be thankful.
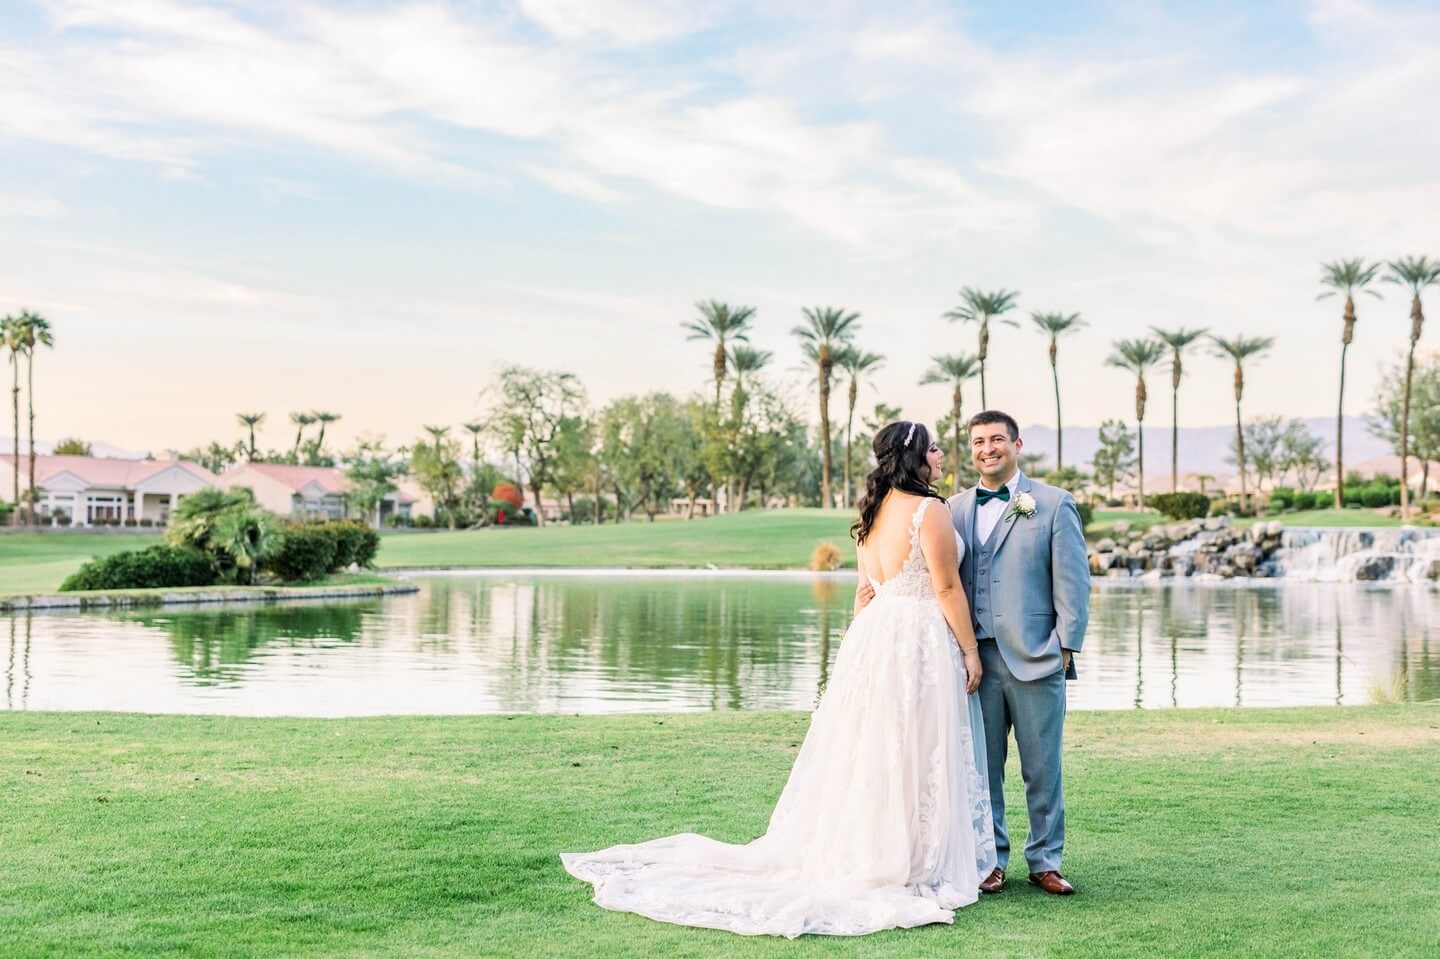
(993, 882)
(1052, 882)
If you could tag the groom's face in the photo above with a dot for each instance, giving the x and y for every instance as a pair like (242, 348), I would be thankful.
(994, 453)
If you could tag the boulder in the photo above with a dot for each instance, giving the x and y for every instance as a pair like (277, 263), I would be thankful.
(1106, 545)
(1213, 523)
(1376, 568)
(1120, 527)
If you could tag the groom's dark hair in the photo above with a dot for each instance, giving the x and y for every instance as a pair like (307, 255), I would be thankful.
(991, 417)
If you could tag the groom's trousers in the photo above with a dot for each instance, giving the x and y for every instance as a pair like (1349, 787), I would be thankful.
(1036, 711)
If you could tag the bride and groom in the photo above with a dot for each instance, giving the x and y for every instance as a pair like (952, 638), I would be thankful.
(966, 622)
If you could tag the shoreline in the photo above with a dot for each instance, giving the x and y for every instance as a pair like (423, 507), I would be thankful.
(189, 596)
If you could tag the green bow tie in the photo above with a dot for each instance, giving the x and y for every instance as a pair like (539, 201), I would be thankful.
(983, 495)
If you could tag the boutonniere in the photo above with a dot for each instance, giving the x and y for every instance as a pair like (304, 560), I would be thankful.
(1023, 505)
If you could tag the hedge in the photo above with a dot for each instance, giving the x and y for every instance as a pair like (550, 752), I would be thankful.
(155, 567)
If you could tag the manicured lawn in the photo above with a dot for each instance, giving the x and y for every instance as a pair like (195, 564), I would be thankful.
(1328, 518)
(39, 562)
(773, 539)
(1191, 833)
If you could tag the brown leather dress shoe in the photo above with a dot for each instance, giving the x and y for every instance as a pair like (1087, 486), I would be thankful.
(1052, 882)
(993, 882)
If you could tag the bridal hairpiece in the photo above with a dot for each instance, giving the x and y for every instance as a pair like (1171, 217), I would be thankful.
(910, 435)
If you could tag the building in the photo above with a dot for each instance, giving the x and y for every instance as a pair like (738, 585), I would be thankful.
(93, 490)
(317, 492)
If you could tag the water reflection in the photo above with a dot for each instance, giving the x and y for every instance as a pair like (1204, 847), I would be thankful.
(596, 643)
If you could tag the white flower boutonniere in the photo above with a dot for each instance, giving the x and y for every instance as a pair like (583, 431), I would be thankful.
(1023, 505)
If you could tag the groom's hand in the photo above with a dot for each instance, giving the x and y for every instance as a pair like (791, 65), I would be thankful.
(1065, 657)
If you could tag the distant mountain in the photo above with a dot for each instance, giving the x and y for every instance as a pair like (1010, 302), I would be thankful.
(1203, 449)
(43, 447)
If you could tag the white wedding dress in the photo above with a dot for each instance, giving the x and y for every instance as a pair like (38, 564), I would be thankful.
(885, 820)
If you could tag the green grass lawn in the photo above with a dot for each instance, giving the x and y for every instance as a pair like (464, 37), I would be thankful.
(1307, 832)
(772, 539)
(39, 562)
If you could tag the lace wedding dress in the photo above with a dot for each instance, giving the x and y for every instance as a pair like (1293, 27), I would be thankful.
(885, 820)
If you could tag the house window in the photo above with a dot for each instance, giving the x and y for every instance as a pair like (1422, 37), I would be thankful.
(104, 508)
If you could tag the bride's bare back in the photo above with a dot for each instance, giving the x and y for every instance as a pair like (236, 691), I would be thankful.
(886, 550)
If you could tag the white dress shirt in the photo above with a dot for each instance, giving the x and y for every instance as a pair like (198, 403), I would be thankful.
(987, 514)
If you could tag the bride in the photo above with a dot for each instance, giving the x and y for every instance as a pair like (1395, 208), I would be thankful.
(885, 820)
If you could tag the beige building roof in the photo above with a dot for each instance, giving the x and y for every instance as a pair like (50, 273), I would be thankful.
(95, 471)
(296, 478)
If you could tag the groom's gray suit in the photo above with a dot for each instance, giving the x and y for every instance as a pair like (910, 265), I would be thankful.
(1029, 590)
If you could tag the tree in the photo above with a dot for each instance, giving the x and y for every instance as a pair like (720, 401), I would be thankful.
(228, 526)
(694, 474)
(1137, 356)
(641, 440)
(529, 410)
(71, 446)
(35, 332)
(475, 429)
(824, 333)
(724, 324)
(1300, 454)
(573, 459)
(1416, 273)
(747, 364)
(953, 370)
(301, 420)
(1424, 424)
(436, 467)
(1055, 325)
(856, 363)
(1178, 340)
(10, 336)
(250, 421)
(1264, 449)
(372, 471)
(1345, 277)
(981, 308)
(324, 418)
(216, 458)
(1115, 457)
(1239, 349)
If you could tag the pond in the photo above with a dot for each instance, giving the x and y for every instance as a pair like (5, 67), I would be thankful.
(524, 642)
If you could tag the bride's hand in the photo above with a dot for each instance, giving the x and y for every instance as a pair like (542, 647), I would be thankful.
(973, 670)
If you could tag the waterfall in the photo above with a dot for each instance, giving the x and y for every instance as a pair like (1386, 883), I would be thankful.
(1403, 554)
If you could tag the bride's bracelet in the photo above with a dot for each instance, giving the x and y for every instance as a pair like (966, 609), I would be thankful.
(969, 649)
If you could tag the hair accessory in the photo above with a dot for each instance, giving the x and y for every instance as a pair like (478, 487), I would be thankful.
(910, 435)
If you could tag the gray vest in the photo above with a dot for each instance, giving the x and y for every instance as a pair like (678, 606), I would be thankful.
(981, 582)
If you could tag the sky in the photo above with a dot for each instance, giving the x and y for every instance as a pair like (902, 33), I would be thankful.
(372, 207)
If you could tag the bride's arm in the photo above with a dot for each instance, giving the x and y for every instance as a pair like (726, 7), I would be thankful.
(937, 544)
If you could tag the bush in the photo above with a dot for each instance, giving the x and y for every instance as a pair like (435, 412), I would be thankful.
(1087, 513)
(1375, 496)
(826, 557)
(1182, 505)
(510, 494)
(1305, 500)
(1284, 495)
(355, 543)
(306, 552)
(1354, 496)
(424, 522)
(151, 568)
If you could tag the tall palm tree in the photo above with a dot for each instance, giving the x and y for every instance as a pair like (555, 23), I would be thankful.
(1240, 348)
(1415, 272)
(747, 361)
(825, 331)
(301, 420)
(953, 371)
(856, 363)
(980, 308)
(324, 418)
(475, 429)
(35, 332)
(10, 337)
(250, 421)
(1055, 325)
(723, 324)
(437, 432)
(1138, 356)
(1179, 340)
(1347, 277)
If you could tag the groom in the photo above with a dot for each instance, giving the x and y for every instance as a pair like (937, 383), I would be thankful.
(1027, 578)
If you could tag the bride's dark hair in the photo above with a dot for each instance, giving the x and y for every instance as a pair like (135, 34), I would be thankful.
(899, 450)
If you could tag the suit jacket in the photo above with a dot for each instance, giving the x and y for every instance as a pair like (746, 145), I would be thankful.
(1039, 578)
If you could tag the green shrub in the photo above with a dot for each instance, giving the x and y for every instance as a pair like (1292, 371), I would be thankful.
(1284, 496)
(355, 543)
(1375, 496)
(306, 552)
(1182, 505)
(1087, 513)
(152, 568)
(1307, 500)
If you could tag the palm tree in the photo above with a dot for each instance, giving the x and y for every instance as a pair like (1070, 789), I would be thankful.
(437, 432)
(1240, 348)
(323, 418)
(475, 429)
(10, 336)
(250, 421)
(723, 324)
(301, 420)
(746, 361)
(1055, 325)
(1138, 356)
(826, 329)
(35, 332)
(1416, 272)
(1345, 276)
(981, 308)
(1179, 340)
(953, 370)
(856, 363)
